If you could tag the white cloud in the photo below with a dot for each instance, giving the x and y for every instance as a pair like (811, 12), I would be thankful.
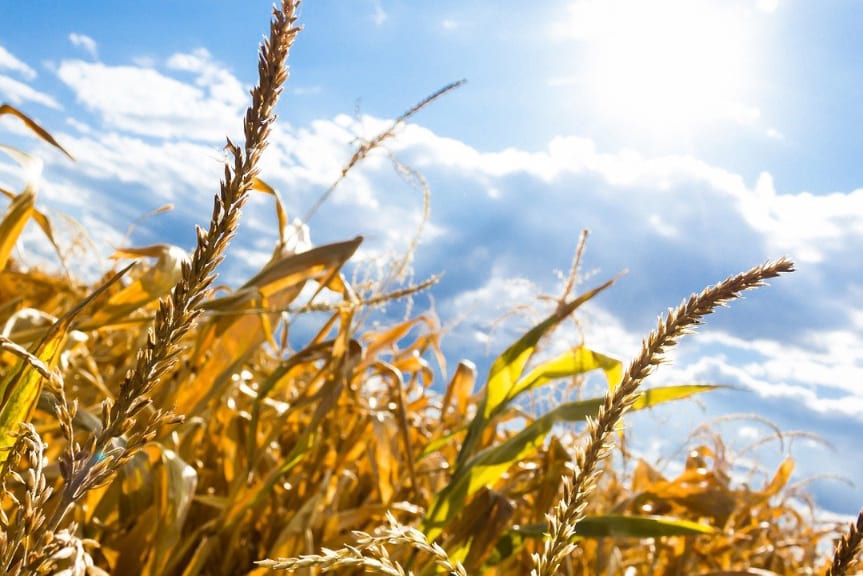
(166, 170)
(19, 93)
(379, 16)
(84, 42)
(484, 312)
(662, 227)
(775, 134)
(146, 102)
(81, 127)
(831, 360)
(217, 80)
(8, 61)
(804, 225)
(767, 6)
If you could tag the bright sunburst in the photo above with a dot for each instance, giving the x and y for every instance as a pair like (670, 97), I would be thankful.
(670, 67)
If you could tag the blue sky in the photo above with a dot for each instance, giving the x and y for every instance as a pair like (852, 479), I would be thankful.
(694, 138)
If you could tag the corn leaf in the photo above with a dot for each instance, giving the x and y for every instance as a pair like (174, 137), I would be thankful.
(43, 221)
(780, 479)
(573, 362)
(174, 491)
(622, 526)
(613, 526)
(261, 186)
(22, 385)
(459, 389)
(508, 367)
(17, 215)
(488, 466)
(34, 127)
(240, 325)
(154, 283)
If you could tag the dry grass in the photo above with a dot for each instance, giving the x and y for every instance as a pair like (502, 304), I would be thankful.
(208, 443)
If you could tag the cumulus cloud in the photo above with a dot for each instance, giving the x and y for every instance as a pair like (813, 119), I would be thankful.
(823, 372)
(8, 61)
(147, 102)
(84, 42)
(161, 172)
(767, 6)
(20, 93)
(805, 225)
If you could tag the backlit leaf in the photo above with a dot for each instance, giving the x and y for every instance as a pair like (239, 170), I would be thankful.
(488, 465)
(21, 386)
(508, 367)
(579, 360)
(34, 127)
(16, 217)
(620, 526)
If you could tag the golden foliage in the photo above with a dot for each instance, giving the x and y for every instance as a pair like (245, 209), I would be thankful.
(207, 444)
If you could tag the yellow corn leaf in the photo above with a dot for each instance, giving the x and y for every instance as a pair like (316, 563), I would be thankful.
(780, 479)
(459, 389)
(239, 327)
(438, 443)
(384, 457)
(42, 220)
(21, 386)
(154, 283)
(174, 490)
(261, 186)
(485, 520)
(377, 341)
(34, 127)
(16, 217)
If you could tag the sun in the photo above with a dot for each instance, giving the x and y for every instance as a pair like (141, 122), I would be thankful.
(668, 67)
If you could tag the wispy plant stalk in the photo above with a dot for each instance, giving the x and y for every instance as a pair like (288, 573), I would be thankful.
(569, 511)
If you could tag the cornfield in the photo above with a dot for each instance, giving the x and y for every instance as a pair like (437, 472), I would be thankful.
(155, 423)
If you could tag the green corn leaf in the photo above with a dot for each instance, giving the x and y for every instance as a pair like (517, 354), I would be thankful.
(488, 466)
(507, 369)
(623, 526)
(573, 362)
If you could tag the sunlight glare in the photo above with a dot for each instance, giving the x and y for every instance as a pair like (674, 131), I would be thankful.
(667, 66)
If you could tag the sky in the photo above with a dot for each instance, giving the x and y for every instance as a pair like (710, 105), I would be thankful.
(693, 138)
